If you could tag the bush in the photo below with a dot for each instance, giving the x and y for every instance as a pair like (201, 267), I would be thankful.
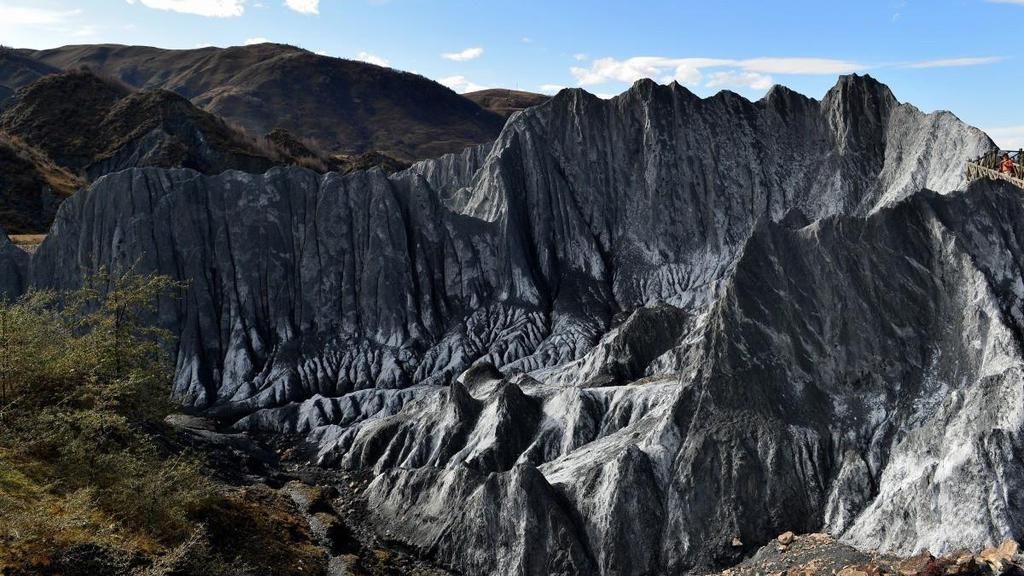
(90, 481)
(83, 382)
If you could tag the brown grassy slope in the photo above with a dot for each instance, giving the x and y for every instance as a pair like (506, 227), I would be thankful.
(346, 106)
(59, 114)
(17, 70)
(31, 187)
(76, 123)
(80, 119)
(192, 132)
(505, 102)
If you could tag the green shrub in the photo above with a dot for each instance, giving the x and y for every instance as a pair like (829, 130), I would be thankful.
(90, 481)
(83, 385)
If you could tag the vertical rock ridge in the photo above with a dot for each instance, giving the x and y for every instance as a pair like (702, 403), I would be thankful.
(676, 320)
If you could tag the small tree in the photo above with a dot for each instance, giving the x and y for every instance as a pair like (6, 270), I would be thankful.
(117, 343)
(33, 337)
(85, 382)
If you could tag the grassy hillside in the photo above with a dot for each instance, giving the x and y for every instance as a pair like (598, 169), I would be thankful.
(79, 119)
(347, 107)
(63, 130)
(32, 186)
(17, 70)
(59, 114)
(505, 102)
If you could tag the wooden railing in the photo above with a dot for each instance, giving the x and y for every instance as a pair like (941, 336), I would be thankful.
(987, 166)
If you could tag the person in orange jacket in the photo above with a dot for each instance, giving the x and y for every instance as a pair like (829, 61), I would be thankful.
(1006, 166)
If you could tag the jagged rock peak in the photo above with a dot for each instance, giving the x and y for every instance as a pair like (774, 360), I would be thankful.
(857, 87)
(853, 90)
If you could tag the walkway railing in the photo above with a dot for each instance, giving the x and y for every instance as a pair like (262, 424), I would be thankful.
(987, 166)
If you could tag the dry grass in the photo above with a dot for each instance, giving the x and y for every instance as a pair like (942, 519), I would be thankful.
(28, 242)
(285, 148)
(31, 186)
(262, 528)
(58, 178)
(88, 473)
(27, 239)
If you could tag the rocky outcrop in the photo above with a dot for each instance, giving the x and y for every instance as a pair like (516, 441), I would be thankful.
(821, 555)
(623, 335)
(13, 269)
(806, 403)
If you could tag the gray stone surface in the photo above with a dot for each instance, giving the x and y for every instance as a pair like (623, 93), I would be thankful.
(14, 269)
(626, 333)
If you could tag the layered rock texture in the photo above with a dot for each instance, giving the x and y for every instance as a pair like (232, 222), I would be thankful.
(620, 337)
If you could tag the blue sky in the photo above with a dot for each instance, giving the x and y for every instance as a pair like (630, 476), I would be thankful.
(958, 55)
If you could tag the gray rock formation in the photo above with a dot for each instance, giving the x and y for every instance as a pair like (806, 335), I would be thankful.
(626, 333)
(13, 269)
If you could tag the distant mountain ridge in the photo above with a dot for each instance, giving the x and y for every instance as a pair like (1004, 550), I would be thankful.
(17, 70)
(63, 130)
(95, 109)
(504, 101)
(346, 106)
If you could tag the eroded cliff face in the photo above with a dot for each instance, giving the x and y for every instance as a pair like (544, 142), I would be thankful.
(13, 269)
(626, 333)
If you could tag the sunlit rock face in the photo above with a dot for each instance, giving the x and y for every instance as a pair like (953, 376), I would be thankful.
(626, 333)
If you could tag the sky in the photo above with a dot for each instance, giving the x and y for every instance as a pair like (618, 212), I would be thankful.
(959, 55)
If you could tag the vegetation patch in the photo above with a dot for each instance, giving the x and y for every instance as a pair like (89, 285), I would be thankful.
(91, 482)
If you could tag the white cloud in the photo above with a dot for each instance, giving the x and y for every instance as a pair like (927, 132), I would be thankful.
(751, 73)
(304, 6)
(33, 16)
(256, 40)
(751, 80)
(85, 31)
(957, 62)
(551, 88)
(602, 70)
(1008, 137)
(690, 71)
(467, 54)
(30, 26)
(372, 59)
(899, 6)
(209, 8)
(579, 57)
(461, 84)
(526, 40)
(801, 66)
